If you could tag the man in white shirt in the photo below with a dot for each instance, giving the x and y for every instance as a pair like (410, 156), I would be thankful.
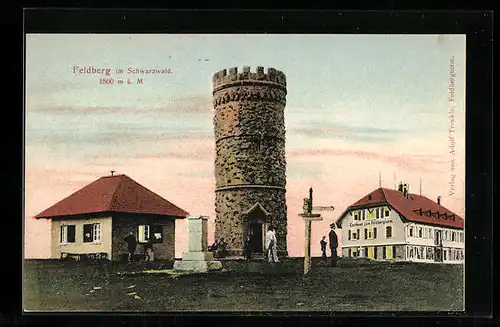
(270, 245)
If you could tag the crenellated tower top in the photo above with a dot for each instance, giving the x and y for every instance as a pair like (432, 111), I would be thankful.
(273, 76)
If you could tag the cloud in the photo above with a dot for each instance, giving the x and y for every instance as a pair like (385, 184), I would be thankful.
(334, 130)
(416, 163)
(191, 104)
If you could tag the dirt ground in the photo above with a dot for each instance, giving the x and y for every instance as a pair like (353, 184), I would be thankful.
(356, 285)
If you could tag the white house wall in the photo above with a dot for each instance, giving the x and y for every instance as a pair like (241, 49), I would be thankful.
(428, 240)
(393, 220)
(80, 247)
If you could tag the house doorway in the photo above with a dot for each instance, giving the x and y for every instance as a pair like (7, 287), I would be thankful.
(438, 249)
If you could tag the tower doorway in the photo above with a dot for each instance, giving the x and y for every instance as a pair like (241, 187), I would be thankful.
(255, 232)
(256, 223)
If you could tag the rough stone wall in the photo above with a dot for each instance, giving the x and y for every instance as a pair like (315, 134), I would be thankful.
(124, 224)
(250, 165)
(230, 223)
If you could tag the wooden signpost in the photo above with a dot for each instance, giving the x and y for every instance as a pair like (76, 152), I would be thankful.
(308, 218)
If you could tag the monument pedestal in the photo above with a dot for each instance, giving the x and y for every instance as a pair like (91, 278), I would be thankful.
(197, 259)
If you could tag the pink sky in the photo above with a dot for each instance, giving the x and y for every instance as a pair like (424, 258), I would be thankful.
(357, 106)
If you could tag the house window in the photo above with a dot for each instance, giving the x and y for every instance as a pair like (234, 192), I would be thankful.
(386, 212)
(453, 236)
(150, 233)
(410, 231)
(350, 254)
(356, 216)
(349, 234)
(420, 232)
(363, 214)
(446, 235)
(378, 212)
(366, 233)
(67, 234)
(92, 233)
(375, 232)
(388, 231)
(354, 236)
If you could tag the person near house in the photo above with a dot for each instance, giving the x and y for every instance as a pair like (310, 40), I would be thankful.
(323, 247)
(131, 245)
(149, 252)
(333, 245)
(248, 248)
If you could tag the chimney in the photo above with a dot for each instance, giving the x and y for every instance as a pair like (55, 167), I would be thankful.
(439, 200)
(405, 190)
(113, 172)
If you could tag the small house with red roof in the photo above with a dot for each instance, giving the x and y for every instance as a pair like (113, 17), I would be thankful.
(96, 219)
(391, 224)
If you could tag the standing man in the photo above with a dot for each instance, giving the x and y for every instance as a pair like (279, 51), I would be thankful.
(333, 244)
(323, 247)
(248, 248)
(269, 243)
(131, 244)
(274, 247)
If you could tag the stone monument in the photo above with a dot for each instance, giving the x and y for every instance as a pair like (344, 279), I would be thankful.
(250, 165)
(197, 259)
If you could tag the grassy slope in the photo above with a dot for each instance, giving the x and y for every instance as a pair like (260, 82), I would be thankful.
(354, 286)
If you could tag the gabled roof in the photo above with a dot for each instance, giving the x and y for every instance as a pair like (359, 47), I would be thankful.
(416, 208)
(118, 193)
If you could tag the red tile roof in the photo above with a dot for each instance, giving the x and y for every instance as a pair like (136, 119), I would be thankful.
(416, 208)
(117, 193)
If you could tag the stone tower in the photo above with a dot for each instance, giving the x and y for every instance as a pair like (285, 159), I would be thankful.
(250, 166)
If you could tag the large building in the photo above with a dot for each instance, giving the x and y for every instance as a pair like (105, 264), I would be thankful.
(395, 224)
(95, 220)
(250, 165)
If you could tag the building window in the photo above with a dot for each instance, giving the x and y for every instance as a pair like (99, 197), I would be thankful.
(356, 216)
(446, 235)
(377, 212)
(386, 212)
(349, 234)
(92, 233)
(410, 231)
(67, 234)
(150, 233)
(453, 236)
(363, 214)
(375, 232)
(420, 232)
(349, 253)
(388, 231)
(366, 233)
(444, 255)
